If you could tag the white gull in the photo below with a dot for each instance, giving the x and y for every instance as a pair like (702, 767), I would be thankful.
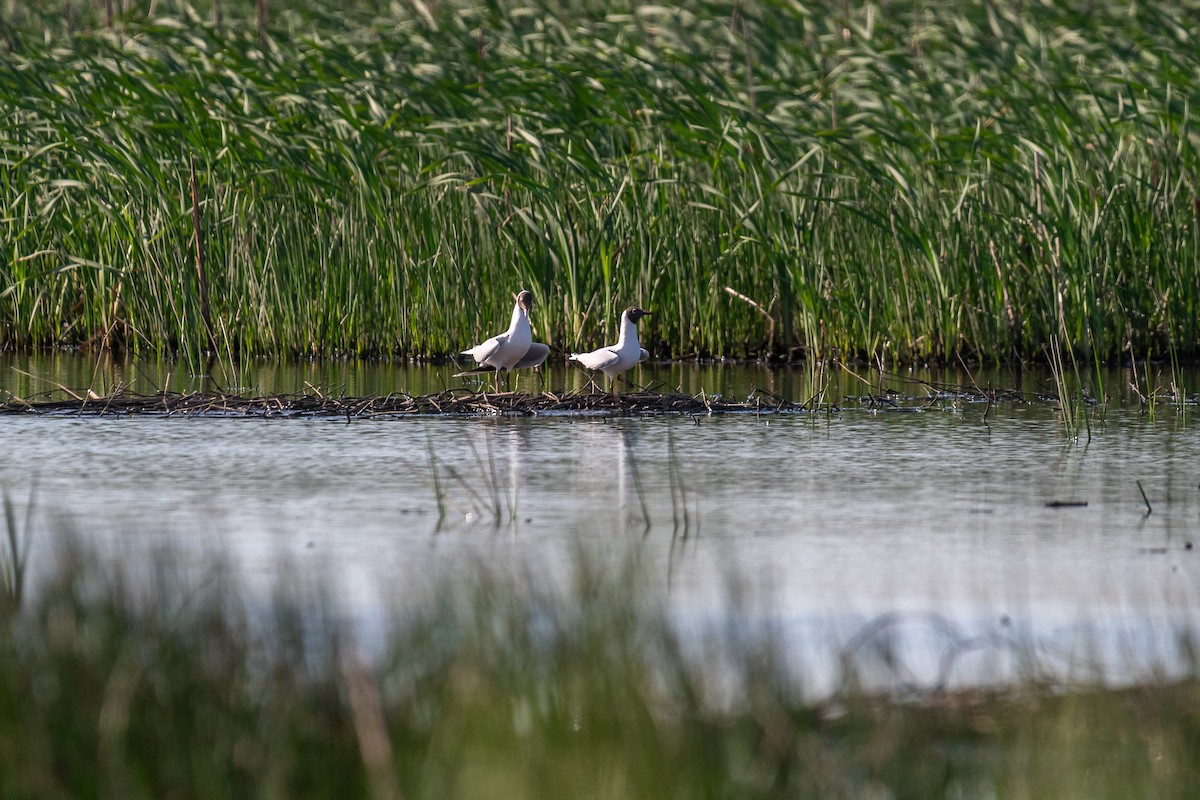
(625, 354)
(513, 349)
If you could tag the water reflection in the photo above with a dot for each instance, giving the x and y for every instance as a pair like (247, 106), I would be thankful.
(828, 521)
(54, 374)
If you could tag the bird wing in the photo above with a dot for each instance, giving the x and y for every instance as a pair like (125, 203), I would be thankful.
(597, 359)
(482, 352)
(534, 356)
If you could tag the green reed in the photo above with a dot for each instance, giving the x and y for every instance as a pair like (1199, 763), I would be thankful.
(910, 182)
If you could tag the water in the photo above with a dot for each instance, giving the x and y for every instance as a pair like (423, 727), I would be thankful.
(930, 525)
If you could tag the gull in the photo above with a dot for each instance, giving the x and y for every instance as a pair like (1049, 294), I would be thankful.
(513, 349)
(534, 357)
(626, 353)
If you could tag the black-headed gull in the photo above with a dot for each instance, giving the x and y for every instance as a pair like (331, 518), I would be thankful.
(513, 349)
(625, 354)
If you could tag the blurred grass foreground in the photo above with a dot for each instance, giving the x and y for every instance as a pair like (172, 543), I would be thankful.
(904, 180)
(163, 682)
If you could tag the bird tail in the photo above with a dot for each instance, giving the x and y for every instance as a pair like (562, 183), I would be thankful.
(479, 371)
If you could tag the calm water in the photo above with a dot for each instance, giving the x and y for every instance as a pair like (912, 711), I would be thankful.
(826, 522)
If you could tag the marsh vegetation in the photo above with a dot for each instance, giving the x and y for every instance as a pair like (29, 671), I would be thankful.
(173, 680)
(847, 184)
(950, 602)
(905, 181)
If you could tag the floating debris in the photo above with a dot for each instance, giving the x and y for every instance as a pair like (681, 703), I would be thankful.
(454, 402)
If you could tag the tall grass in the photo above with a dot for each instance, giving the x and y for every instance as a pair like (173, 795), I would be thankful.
(160, 682)
(907, 182)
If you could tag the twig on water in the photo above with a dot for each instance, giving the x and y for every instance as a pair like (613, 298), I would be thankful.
(1145, 500)
(971, 378)
(638, 488)
(678, 490)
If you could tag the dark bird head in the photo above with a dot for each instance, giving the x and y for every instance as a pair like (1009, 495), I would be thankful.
(525, 300)
(634, 313)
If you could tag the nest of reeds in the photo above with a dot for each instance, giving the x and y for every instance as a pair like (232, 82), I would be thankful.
(452, 402)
